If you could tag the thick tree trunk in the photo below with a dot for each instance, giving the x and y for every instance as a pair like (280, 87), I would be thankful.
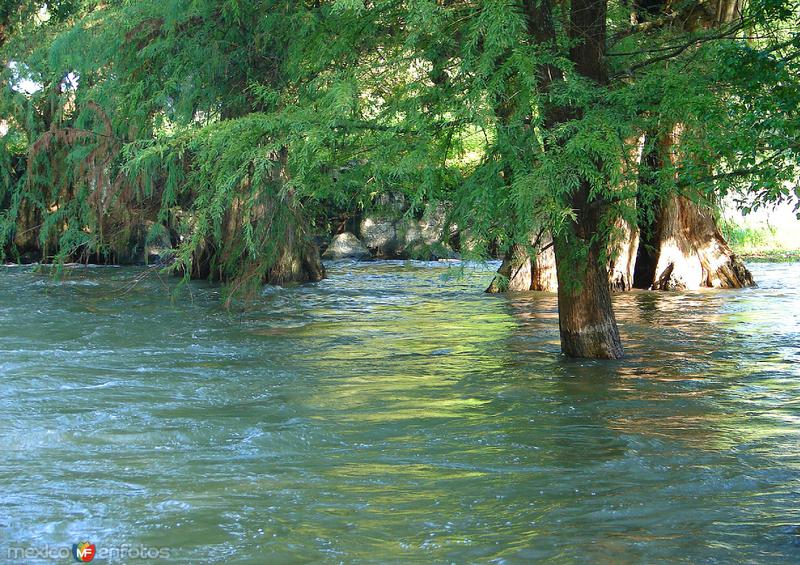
(25, 246)
(625, 241)
(299, 262)
(685, 249)
(585, 315)
(690, 251)
(682, 249)
(623, 260)
(543, 270)
(519, 273)
(514, 274)
(296, 258)
(285, 254)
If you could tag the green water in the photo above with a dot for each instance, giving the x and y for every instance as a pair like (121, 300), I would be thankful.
(387, 415)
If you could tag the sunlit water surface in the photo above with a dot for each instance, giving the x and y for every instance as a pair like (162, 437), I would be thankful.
(387, 414)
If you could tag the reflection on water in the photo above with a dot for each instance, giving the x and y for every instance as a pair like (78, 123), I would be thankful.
(386, 414)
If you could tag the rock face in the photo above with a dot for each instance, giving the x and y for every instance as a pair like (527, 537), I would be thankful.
(346, 246)
(380, 236)
(433, 224)
(404, 237)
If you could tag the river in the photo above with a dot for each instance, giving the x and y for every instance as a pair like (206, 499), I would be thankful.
(395, 413)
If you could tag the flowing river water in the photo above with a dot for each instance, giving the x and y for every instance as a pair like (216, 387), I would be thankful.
(394, 414)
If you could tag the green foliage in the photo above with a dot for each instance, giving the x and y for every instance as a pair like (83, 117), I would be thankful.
(741, 237)
(239, 126)
(759, 243)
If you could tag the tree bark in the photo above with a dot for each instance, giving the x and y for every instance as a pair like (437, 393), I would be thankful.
(690, 250)
(587, 324)
(683, 249)
(623, 258)
(519, 272)
(286, 254)
(687, 250)
(586, 318)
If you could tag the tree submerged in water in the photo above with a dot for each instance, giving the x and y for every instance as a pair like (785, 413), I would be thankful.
(597, 137)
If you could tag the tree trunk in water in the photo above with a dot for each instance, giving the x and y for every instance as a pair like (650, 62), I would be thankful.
(687, 250)
(519, 273)
(585, 314)
(514, 275)
(683, 250)
(25, 244)
(543, 270)
(299, 262)
(285, 253)
(296, 259)
(623, 260)
(586, 319)
(625, 242)
(690, 251)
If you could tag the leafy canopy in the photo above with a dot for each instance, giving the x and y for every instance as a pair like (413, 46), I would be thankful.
(183, 115)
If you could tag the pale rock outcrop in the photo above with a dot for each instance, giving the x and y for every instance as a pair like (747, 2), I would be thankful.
(346, 246)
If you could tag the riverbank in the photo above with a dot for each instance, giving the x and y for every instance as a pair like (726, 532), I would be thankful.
(762, 243)
(775, 255)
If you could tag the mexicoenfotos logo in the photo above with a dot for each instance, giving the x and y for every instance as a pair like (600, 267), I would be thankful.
(84, 551)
